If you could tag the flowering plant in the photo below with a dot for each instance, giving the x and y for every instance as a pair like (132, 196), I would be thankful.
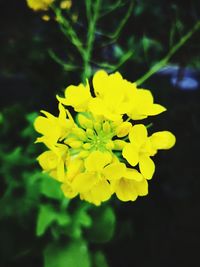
(103, 150)
(100, 143)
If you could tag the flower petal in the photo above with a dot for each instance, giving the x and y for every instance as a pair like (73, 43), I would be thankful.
(123, 129)
(155, 109)
(100, 83)
(101, 191)
(48, 160)
(96, 161)
(68, 191)
(142, 187)
(74, 167)
(133, 174)
(96, 106)
(98, 193)
(147, 166)
(163, 140)
(138, 135)
(83, 182)
(60, 171)
(77, 96)
(130, 153)
(114, 171)
(125, 190)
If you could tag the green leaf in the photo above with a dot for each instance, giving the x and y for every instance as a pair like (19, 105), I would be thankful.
(51, 188)
(80, 219)
(84, 219)
(29, 131)
(100, 260)
(103, 226)
(73, 255)
(47, 215)
(1, 118)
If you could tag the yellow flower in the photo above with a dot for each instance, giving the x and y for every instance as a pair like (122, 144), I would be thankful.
(74, 166)
(127, 183)
(142, 105)
(66, 4)
(90, 155)
(45, 17)
(37, 5)
(91, 184)
(162, 140)
(94, 165)
(77, 96)
(141, 147)
(129, 188)
(110, 100)
(53, 161)
(116, 96)
(68, 191)
(52, 128)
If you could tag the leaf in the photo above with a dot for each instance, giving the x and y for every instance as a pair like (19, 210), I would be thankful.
(29, 130)
(51, 188)
(1, 118)
(84, 219)
(103, 226)
(73, 255)
(100, 259)
(47, 215)
(80, 219)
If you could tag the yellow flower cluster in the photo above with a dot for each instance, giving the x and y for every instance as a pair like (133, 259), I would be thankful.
(37, 5)
(103, 151)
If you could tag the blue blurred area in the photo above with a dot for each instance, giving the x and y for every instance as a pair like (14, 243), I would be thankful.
(183, 78)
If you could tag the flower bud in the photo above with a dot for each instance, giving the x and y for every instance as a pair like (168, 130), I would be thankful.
(123, 129)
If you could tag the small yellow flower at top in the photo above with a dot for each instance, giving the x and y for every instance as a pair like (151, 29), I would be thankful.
(45, 17)
(74, 17)
(66, 4)
(38, 5)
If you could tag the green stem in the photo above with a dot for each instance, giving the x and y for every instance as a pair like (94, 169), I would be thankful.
(90, 39)
(166, 59)
(66, 66)
(120, 27)
(149, 125)
(115, 67)
(88, 5)
(116, 34)
(68, 30)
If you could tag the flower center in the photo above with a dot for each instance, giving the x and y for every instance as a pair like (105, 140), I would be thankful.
(100, 141)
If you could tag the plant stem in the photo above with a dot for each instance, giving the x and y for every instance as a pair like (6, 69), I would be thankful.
(166, 59)
(66, 66)
(92, 20)
(68, 31)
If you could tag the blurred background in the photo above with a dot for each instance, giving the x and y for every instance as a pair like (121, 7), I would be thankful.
(161, 229)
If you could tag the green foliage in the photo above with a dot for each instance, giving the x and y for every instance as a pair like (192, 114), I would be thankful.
(80, 219)
(103, 226)
(47, 215)
(75, 254)
(100, 260)
(32, 197)
(50, 188)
